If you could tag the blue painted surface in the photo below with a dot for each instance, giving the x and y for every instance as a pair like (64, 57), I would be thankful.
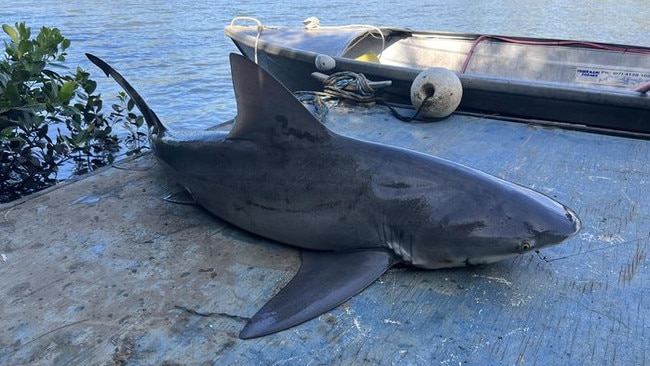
(107, 281)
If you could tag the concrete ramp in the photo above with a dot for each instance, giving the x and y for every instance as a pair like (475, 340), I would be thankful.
(103, 271)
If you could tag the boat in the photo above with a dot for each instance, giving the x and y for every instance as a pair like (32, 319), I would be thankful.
(572, 84)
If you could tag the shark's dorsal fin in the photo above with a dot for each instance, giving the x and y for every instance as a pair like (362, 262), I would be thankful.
(324, 281)
(266, 110)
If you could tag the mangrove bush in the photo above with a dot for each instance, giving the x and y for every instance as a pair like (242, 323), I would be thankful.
(50, 115)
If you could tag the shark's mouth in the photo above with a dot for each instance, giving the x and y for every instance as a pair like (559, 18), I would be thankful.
(488, 259)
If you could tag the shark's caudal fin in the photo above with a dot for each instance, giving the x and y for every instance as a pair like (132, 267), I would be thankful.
(149, 115)
(266, 109)
(324, 281)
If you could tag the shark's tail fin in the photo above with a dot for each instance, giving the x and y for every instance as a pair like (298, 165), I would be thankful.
(152, 119)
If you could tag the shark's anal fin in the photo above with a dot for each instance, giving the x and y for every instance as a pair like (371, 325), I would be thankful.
(182, 197)
(324, 281)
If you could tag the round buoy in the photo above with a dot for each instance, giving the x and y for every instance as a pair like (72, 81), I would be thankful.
(325, 63)
(442, 90)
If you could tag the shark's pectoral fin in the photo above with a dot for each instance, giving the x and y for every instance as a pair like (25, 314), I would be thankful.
(324, 281)
(183, 197)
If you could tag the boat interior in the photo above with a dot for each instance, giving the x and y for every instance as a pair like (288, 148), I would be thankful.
(574, 62)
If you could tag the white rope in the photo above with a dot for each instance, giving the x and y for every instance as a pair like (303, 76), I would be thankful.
(237, 19)
(260, 28)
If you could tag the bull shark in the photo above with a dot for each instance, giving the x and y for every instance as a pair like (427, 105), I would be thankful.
(354, 207)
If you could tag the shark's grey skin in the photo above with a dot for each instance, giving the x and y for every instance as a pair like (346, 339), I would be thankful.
(357, 207)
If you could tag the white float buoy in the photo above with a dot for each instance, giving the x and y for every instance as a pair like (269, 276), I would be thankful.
(443, 89)
(311, 23)
(325, 63)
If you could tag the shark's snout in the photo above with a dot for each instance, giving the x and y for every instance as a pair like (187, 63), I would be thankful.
(573, 218)
(560, 226)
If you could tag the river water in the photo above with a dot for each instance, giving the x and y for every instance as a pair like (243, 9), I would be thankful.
(176, 54)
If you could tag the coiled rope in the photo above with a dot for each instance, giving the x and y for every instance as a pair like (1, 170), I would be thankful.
(355, 87)
(351, 86)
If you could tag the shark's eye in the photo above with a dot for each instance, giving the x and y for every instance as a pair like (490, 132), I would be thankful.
(525, 246)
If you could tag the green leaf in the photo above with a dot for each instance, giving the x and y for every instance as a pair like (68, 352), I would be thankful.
(37, 67)
(7, 132)
(24, 31)
(67, 91)
(70, 110)
(20, 76)
(10, 32)
(12, 95)
(92, 85)
(25, 46)
(4, 79)
(51, 74)
(42, 132)
(34, 161)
